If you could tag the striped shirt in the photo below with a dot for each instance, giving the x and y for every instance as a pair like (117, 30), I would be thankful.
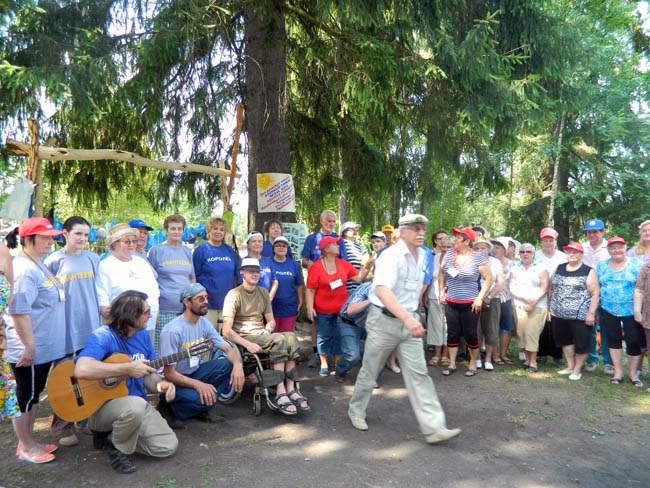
(360, 295)
(354, 256)
(464, 285)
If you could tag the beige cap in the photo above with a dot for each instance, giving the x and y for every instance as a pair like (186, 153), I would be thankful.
(118, 231)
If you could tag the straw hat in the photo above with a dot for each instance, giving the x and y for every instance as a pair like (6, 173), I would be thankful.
(118, 231)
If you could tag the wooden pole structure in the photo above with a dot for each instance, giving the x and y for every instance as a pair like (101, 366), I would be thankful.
(18, 148)
(35, 167)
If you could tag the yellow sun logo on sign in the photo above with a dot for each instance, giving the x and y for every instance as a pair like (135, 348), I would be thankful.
(264, 180)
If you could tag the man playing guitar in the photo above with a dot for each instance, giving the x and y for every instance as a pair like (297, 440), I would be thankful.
(134, 423)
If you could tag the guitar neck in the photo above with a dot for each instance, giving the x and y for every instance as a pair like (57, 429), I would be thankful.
(172, 358)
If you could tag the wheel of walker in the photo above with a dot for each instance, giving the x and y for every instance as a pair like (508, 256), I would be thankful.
(257, 405)
(229, 397)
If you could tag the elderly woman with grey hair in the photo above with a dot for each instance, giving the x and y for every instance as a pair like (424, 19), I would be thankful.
(528, 287)
(122, 271)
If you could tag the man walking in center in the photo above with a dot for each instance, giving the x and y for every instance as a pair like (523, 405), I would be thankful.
(394, 324)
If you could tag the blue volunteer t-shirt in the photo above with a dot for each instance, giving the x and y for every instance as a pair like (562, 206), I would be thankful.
(175, 270)
(266, 273)
(428, 266)
(311, 251)
(215, 269)
(289, 276)
(104, 342)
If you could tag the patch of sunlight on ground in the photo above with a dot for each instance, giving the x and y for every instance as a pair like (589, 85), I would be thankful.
(637, 406)
(397, 451)
(316, 449)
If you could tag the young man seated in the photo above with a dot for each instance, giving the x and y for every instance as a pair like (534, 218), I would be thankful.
(134, 423)
(198, 383)
(244, 311)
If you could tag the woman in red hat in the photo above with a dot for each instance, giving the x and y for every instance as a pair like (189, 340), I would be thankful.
(458, 284)
(326, 295)
(36, 334)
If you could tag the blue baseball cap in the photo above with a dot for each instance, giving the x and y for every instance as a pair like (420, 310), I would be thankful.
(594, 224)
(139, 223)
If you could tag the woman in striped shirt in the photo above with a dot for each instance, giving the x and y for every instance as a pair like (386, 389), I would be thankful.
(458, 283)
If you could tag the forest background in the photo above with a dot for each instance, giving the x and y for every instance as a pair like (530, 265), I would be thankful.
(513, 114)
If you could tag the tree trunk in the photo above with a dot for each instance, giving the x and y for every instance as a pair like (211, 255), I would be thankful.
(266, 103)
(343, 200)
(560, 220)
(556, 175)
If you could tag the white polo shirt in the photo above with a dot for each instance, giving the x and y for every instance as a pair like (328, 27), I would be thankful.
(592, 257)
(397, 270)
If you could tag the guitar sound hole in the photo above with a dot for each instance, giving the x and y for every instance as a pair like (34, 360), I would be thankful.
(110, 382)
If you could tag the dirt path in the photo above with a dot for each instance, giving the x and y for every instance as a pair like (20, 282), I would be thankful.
(518, 431)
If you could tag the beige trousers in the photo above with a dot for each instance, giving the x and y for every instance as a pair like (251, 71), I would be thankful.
(136, 426)
(529, 327)
(386, 334)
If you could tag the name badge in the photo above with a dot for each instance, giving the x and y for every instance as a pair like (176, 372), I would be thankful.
(453, 272)
(61, 294)
(336, 284)
(194, 362)
(411, 285)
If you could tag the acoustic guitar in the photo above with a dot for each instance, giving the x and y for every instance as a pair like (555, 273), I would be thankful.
(74, 399)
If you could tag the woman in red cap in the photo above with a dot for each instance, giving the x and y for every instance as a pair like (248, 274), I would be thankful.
(458, 284)
(326, 295)
(36, 334)
(574, 301)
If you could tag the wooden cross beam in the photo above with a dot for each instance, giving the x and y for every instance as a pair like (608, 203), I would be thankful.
(18, 148)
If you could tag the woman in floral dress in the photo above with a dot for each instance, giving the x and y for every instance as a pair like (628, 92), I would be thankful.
(8, 405)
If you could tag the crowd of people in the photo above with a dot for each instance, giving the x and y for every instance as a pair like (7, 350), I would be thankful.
(473, 293)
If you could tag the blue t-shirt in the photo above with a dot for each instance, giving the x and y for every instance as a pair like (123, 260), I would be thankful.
(311, 251)
(428, 266)
(359, 295)
(175, 270)
(180, 334)
(79, 275)
(35, 294)
(215, 269)
(617, 287)
(267, 250)
(105, 342)
(289, 276)
(266, 273)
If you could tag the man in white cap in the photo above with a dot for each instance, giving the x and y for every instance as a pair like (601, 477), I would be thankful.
(245, 309)
(394, 323)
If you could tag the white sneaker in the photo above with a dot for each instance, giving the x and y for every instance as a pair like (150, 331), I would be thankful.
(591, 367)
(575, 377)
(442, 435)
(489, 366)
(565, 372)
(479, 364)
(608, 369)
(394, 368)
(357, 422)
(522, 356)
(69, 441)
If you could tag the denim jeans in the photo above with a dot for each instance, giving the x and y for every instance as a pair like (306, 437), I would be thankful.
(327, 337)
(350, 340)
(604, 345)
(216, 373)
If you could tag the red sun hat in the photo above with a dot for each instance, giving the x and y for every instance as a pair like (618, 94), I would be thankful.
(328, 240)
(466, 231)
(548, 232)
(615, 240)
(37, 226)
(574, 246)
